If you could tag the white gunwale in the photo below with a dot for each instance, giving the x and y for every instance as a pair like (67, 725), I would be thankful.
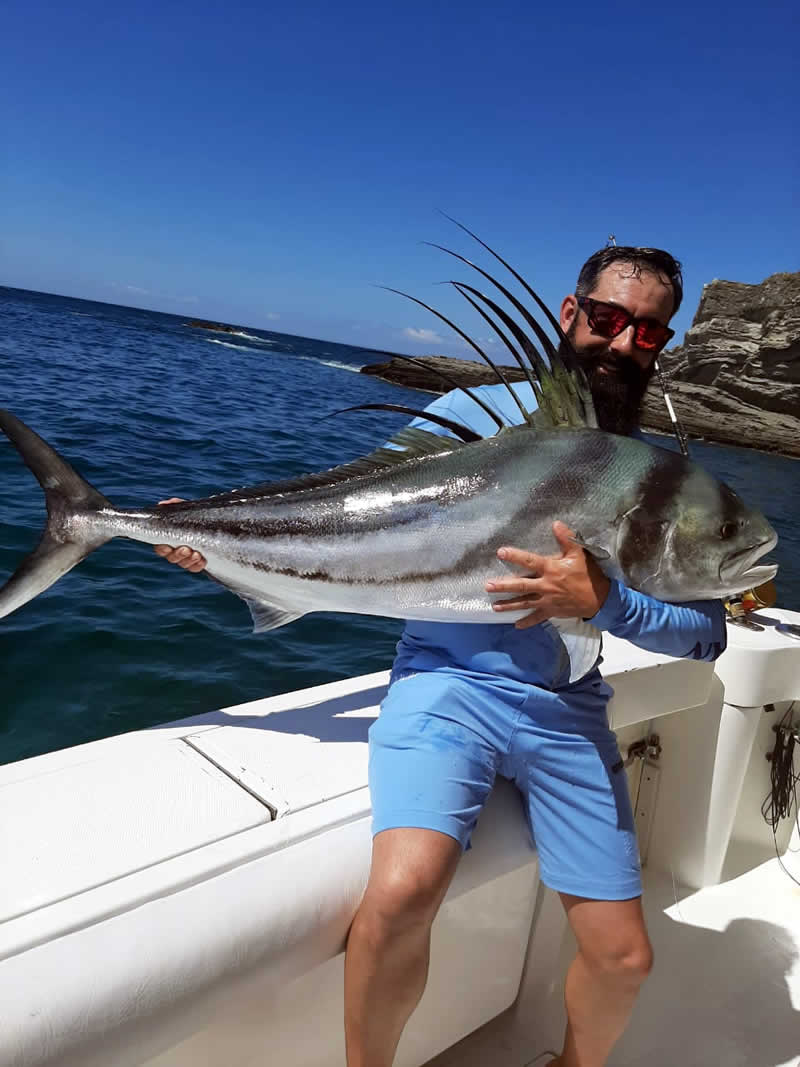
(181, 895)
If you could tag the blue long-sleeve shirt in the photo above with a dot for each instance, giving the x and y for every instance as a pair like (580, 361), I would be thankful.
(536, 655)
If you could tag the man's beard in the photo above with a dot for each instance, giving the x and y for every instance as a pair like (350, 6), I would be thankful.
(618, 385)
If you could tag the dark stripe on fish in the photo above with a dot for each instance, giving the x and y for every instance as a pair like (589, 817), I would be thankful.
(556, 493)
(644, 527)
(322, 527)
(731, 505)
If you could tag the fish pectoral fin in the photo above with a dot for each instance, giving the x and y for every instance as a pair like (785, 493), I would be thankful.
(583, 643)
(597, 551)
(267, 615)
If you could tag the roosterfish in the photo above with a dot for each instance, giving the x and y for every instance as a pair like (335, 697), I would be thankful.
(411, 530)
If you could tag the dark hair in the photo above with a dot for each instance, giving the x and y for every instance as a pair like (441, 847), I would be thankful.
(650, 259)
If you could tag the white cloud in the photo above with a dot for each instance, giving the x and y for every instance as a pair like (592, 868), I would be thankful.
(171, 298)
(426, 336)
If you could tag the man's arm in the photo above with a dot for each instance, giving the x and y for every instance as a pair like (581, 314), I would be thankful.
(694, 630)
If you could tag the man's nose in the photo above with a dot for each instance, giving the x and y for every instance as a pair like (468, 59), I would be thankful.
(624, 345)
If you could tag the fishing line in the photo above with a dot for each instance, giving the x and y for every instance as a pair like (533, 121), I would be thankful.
(675, 894)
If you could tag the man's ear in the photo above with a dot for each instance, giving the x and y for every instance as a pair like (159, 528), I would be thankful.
(569, 309)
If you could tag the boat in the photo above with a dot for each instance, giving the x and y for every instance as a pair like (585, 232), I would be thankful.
(181, 895)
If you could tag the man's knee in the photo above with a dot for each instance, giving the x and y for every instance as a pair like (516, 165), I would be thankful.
(612, 937)
(411, 872)
(407, 896)
(627, 961)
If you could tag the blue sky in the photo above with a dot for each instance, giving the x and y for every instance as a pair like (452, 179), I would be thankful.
(270, 164)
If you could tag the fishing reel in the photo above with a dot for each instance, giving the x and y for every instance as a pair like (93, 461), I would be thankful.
(741, 610)
(739, 607)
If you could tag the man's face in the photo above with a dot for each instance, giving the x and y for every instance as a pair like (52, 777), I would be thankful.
(618, 371)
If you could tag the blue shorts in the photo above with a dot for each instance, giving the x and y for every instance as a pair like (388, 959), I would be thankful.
(443, 735)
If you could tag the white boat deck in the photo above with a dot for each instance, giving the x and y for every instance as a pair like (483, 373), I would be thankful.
(180, 896)
(724, 992)
(727, 986)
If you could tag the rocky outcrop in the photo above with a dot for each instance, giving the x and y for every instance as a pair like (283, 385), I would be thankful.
(425, 372)
(736, 377)
(221, 327)
(734, 380)
(745, 340)
(708, 412)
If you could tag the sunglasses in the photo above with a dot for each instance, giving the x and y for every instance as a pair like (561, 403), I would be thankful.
(609, 321)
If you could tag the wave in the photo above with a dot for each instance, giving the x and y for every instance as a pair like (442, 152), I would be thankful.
(290, 355)
(355, 368)
(338, 366)
(252, 337)
(229, 344)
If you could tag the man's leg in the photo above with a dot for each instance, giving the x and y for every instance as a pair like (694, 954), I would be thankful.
(566, 761)
(386, 965)
(614, 958)
(433, 753)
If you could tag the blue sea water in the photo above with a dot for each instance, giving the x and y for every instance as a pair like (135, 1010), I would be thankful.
(146, 407)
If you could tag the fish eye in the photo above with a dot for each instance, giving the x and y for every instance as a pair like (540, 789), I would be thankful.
(728, 529)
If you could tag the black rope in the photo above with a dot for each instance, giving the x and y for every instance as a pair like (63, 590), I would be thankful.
(781, 800)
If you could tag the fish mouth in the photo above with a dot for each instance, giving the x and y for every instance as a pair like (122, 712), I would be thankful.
(737, 573)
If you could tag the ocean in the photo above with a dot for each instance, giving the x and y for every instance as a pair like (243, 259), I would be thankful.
(146, 408)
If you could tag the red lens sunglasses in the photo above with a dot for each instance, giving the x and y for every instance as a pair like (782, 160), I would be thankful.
(609, 321)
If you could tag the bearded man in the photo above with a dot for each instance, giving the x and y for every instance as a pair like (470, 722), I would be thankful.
(469, 701)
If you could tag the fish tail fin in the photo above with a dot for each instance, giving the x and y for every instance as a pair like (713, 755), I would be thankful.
(64, 543)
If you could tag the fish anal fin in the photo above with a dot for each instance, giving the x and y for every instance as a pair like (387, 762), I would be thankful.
(269, 616)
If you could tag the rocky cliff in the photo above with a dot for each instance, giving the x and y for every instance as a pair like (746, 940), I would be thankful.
(734, 380)
(736, 377)
(745, 340)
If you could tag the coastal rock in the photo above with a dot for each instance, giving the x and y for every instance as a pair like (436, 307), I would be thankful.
(734, 380)
(739, 330)
(221, 327)
(736, 377)
(425, 373)
(710, 413)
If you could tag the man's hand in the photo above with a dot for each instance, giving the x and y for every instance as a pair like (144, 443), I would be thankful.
(184, 556)
(557, 587)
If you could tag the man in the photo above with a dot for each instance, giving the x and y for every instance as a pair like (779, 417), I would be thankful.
(468, 702)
